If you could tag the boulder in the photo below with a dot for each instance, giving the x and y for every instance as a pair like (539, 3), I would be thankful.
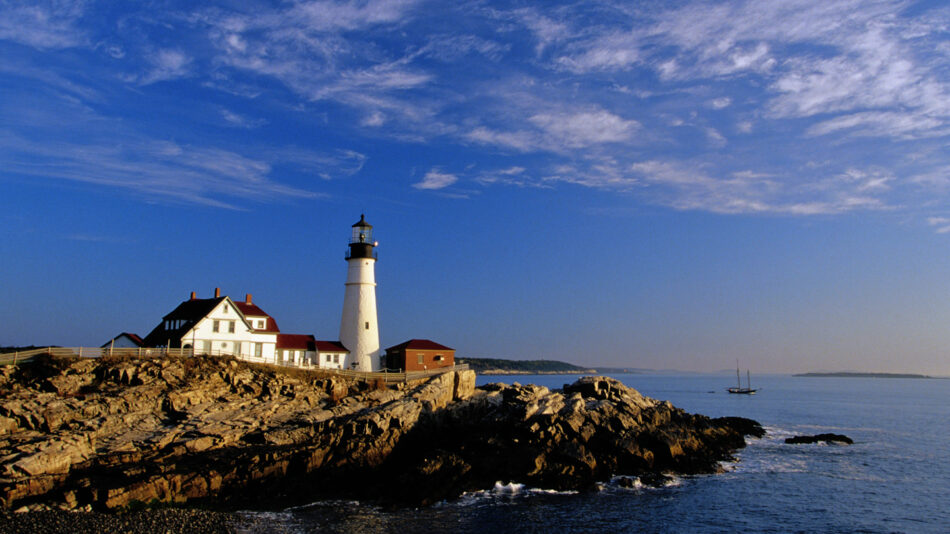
(818, 438)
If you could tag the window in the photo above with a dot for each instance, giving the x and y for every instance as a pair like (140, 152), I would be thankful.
(260, 324)
(419, 358)
(216, 326)
(231, 327)
(438, 357)
(336, 358)
(225, 308)
(367, 325)
(258, 349)
(328, 358)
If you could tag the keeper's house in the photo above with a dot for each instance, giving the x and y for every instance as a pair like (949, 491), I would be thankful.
(419, 355)
(221, 325)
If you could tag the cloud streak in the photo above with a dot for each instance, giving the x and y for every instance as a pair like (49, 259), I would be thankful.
(157, 170)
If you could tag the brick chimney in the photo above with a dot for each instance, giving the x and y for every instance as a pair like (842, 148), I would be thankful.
(247, 298)
(194, 295)
(217, 292)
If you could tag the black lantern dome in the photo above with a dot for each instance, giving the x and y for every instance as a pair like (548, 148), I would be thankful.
(362, 244)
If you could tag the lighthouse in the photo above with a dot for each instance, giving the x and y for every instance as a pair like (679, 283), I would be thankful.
(359, 332)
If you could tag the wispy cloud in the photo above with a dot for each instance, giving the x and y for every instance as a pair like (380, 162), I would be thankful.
(335, 15)
(95, 238)
(715, 138)
(512, 176)
(241, 121)
(435, 179)
(53, 25)
(695, 188)
(840, 56)
(451, 48)
(545, 29)
(303, 46)
(658, 102)
(941, 224)
(617, 51)
(165, 64)
(579, 129)
(561, 131)
(339, 163)
(159, 170)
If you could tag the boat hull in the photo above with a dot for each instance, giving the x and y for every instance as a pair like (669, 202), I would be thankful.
(742, 391)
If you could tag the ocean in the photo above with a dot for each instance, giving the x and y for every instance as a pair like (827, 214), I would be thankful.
(895, 478)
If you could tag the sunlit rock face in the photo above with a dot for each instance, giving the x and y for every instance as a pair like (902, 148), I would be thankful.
(110, 434)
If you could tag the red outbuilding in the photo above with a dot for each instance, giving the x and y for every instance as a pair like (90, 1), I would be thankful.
(419, 355)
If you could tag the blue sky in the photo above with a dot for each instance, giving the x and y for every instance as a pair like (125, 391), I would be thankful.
(670, 185)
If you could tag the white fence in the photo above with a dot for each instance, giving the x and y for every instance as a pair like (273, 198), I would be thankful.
(15, 358)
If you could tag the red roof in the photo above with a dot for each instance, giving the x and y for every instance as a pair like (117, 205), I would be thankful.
(132, 337)
(419, 344)
(307, 342)
(193, 310)
(330, 346)
(295, 341)
(251, 310)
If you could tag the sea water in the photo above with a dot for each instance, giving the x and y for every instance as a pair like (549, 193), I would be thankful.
(895, 478)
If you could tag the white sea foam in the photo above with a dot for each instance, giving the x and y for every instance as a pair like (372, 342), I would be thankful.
(638, 485)
(615, 483)
(503, 493)
(507, 489)
(329, 502)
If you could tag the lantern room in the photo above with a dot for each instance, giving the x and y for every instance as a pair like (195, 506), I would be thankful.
(361, 240)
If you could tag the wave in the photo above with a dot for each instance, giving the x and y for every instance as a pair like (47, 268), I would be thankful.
(502, 493)
(328, 502)
(634, 483)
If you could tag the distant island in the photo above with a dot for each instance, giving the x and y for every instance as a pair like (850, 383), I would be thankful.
(498, 366)
(623, 371)
(845, 374)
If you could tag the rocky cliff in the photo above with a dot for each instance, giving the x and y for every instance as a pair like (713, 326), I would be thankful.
(100, 434)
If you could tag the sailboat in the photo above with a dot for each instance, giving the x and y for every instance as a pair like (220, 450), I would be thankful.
(739, 389)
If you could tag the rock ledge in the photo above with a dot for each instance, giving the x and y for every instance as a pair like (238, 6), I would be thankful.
(101, 435)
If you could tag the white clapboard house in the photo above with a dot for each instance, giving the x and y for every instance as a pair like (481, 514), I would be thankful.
(221, 325)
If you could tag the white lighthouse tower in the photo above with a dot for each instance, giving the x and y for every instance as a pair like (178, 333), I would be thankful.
(359, 332)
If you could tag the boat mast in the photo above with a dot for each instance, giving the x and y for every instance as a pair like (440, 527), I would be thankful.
(748, 378)
(738, 379)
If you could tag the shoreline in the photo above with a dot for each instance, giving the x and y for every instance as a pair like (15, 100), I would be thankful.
(847, 374)
(146, 521)
(496, 372)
